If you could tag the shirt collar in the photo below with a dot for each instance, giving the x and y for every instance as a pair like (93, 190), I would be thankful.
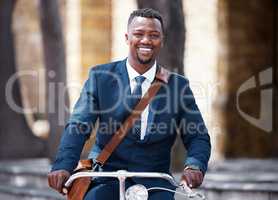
(149, 75)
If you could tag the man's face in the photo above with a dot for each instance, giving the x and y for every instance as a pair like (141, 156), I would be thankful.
(144, 38)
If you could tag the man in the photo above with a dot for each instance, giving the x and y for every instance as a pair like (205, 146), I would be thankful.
(106, 96)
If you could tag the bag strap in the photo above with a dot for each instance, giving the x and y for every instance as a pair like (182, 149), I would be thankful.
(161, 77)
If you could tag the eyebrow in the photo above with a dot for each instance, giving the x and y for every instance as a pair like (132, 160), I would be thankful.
(141, 30)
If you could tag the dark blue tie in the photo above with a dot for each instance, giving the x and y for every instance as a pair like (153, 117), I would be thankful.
(137, 95)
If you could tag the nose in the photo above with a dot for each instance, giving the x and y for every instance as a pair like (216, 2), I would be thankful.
(146, 40)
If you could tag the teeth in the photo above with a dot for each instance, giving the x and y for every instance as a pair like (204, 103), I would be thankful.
(145, 49)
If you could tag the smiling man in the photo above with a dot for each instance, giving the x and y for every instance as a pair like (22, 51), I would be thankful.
(107, 96)
(144, 37)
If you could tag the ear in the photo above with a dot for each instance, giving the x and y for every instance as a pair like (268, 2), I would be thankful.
(126, 38)
(162, 42)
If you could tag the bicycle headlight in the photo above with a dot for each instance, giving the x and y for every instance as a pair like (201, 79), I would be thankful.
(136, 192)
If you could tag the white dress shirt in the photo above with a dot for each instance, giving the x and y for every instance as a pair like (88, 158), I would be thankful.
(149, 75)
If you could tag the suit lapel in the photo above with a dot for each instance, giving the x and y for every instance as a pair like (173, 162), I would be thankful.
(123, 75)
(156, 101)
(125, 93)
(121, 88)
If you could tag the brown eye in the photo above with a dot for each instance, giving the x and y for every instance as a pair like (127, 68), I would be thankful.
(138, 35)
(154, 36)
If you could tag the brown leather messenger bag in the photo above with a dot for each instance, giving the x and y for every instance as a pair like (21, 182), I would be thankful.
(80, 186)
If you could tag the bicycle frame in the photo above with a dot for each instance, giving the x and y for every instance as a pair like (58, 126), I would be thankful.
(121, 175)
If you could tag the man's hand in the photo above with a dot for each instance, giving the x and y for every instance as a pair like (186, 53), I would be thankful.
(192, 178)
(56, 179)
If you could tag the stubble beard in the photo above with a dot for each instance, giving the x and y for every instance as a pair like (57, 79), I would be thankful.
(144, 62)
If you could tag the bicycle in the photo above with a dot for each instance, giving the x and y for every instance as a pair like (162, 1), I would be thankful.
(136, 192)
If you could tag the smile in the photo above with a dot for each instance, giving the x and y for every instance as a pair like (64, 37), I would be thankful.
(145, 50)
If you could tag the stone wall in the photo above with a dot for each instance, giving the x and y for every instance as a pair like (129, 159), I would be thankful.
(29, 53)
(119, 27)
(28, 41)
(200, 60)
(246, 32)
(95, 33)
(243, 31)
(95, 42)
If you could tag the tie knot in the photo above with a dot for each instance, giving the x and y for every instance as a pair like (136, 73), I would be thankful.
(139, 79)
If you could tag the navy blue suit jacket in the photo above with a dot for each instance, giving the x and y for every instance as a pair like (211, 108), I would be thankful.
(172, 112)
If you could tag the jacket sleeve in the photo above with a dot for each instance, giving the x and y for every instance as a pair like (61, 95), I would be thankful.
(79, 127)
(193, 130)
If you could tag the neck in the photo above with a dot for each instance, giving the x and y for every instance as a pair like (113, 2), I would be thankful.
(140, 68)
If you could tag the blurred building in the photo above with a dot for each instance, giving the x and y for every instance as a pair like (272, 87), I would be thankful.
(231, 62)
(230, 59)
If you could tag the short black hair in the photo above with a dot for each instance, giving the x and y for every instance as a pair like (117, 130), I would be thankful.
(148, 13)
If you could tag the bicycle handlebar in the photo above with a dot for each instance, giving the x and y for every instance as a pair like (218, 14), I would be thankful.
(122, 175)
